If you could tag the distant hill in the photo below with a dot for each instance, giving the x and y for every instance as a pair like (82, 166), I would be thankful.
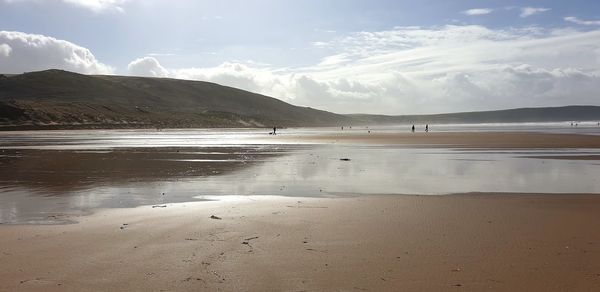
(61, 99)
(519, 115)
(56, 99)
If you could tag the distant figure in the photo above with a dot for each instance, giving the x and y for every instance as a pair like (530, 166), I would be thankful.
(571, 124)
(426, 128)
(274, 130)
(342, 128)
(413, 128)
(369, 131)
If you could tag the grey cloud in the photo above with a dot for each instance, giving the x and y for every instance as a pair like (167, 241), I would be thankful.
(5, 50)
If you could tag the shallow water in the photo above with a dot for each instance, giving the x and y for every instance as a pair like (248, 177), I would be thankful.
(47, 175)
(111, 139)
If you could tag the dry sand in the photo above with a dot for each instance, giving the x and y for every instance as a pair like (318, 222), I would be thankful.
(455, 139)
(472, 242)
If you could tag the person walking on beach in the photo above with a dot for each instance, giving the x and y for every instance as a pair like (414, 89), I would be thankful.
(274, 130)
(413, 128)
(426, 128)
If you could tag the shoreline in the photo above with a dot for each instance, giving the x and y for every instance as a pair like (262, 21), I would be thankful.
(471, 242)
(489, 140)
(71, 218)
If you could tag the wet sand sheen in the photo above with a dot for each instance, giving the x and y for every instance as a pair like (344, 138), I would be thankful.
(46, 186)
(487, 140)
(472, 242)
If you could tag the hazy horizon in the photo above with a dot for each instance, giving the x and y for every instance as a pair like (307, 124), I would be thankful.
(383, 57)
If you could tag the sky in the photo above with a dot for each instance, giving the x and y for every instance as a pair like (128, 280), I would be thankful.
(346, 56)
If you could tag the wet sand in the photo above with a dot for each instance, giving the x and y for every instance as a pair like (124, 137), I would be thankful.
(490, 140)
(471, 242)
(462, 242)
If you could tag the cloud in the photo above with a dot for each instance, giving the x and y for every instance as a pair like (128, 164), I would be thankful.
(239, 75)
(334, 60)
(93, 5)
(160, 54)
(5, 50)
(98, 5)
(428, 70)
(397, 71)
(529, 11)
(147, 66)
(32, 52)
(478, 11)
(582, 22)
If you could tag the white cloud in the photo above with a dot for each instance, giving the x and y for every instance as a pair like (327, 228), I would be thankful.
(239, 75)
(398, 71)
(160, 54)
(5, 50)
(93, 5)
(478, 11)
(98, 5)
(147, 66)
(528, 11)
(425, 70)
(334, 60)
(582, 22)
(32, 52)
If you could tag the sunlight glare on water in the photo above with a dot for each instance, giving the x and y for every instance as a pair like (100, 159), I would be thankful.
(46, 173)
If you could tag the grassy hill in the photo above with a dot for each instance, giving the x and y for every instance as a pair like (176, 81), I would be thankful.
(56, 99)
(519, 115)
(61, 99)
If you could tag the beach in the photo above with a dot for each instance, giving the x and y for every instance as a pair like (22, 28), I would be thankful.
(300, 146)
(489, 140)
(468, 242)
(288, 230)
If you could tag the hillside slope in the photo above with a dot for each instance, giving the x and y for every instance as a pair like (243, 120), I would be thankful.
(59, 99)
(519, 115)
(56, 99)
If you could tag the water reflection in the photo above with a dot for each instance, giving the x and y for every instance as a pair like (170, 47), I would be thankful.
(41, 185)
(385, 170)
(110, 139)
(42, 178)
(59, 172)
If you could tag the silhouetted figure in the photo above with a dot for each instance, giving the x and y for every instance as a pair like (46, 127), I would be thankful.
(342, 128)
(571, 124)
(426, 128)
(413, 128)
(274, 130)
